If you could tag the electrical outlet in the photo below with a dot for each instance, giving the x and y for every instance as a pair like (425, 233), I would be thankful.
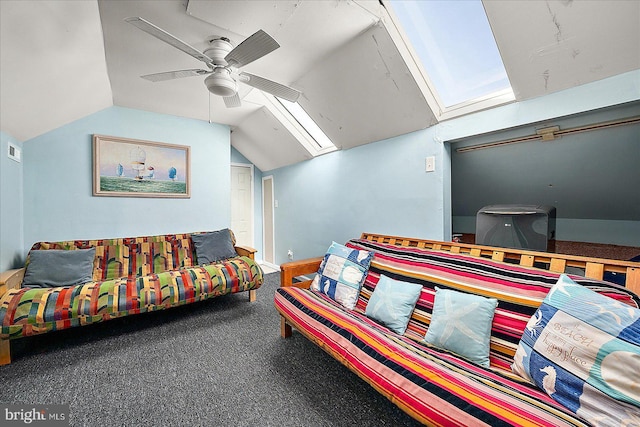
(290, 254)
(430, 164)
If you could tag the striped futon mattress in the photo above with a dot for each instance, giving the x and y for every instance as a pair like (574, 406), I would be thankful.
(436, 387)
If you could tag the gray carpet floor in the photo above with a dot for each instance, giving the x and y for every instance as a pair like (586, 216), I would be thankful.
(214, 363)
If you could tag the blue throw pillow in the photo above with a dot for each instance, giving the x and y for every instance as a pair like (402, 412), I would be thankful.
(341, 274)
(392, 303)
(213, 246)
(583, 349)
(461, 323)
(52, 268)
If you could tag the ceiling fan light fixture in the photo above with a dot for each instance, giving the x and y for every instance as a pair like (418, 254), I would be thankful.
(221, 83)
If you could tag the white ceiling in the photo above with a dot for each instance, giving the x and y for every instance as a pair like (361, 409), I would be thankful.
(62, 60)
(51, 59)
(548, 46)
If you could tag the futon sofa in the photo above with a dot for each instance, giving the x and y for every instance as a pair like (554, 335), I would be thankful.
(437, 386)
(76, 283)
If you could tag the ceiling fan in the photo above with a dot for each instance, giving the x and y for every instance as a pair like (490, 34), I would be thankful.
(223, 61)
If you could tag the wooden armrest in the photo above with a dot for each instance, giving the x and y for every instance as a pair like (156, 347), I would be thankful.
(11, 279)
(293, 269)
(246, 251)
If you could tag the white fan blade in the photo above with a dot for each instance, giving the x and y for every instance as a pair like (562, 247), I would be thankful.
(161, 34)
(252, 48)
(232, 101)
(170, 75)
(269, 86)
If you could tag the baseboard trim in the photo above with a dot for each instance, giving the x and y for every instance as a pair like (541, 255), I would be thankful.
(276, 267)
(269, 265)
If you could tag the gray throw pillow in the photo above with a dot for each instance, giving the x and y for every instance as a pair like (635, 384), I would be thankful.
(213, 246)
(54, 267)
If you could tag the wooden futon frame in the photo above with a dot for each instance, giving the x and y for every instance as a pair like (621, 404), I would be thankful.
(594, 268)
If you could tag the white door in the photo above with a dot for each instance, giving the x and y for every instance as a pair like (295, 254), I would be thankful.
(268, 220)
(242, 204)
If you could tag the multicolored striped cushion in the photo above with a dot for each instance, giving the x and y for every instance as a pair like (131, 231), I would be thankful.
(25, 312)
(111, 262)
(519, 290)
(133, 256)
(434, 387)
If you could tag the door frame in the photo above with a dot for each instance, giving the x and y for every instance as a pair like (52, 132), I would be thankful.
(252, 205)
(272, 224)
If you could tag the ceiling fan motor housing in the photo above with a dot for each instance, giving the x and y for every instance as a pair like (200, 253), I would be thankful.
(218, 49)
(221, 83)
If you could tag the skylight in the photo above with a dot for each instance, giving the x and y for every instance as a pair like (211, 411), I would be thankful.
(454, 43)
(307, 123)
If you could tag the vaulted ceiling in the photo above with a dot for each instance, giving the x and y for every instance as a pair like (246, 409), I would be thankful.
(62, 60)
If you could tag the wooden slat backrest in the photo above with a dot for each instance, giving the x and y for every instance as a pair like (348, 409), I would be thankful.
(594, 268)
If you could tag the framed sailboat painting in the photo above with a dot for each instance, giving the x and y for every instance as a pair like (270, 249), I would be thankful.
(132, 168)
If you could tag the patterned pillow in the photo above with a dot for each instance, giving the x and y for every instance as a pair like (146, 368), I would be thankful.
(392, 303)
(461, 323)
(583, 350)
(341, 274)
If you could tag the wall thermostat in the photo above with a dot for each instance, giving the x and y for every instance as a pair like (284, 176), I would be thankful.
(14, 152)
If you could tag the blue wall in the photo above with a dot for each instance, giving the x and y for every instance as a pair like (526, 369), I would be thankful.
(380, 187)
(383, 188)
(58, 201)
(11, 238)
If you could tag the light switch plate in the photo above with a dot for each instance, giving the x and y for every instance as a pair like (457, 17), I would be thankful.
(430, 164)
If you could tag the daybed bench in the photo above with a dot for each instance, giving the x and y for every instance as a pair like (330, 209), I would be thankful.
(124, 276)
(441, 388)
